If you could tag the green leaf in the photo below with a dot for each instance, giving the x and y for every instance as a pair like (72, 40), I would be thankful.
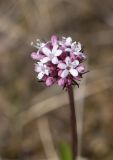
(65, 152)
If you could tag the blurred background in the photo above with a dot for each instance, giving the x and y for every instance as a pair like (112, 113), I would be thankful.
(34, 119)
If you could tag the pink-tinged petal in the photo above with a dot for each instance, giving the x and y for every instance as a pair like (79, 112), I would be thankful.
(58, 52)
(75, 63)
(68, 49)
(50, 81)
(81, 69)
(54, 39)
(45, 60)
(59, 73)
(47, 72)
(61, 82)
(37, 68)
(40, 56)
(46, 51)
(73, 45)
(55, 60)
(81, 56)
(68, 41)
(73, 57)
(55, 47)
(73, 72)
(40, 75)
(76, 53)
(40, 64)
(78, 47)
(62, 65)
(34, 56)
(68, 60)
(64, 73)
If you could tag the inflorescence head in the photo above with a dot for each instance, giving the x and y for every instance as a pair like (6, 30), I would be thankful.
(59, 61)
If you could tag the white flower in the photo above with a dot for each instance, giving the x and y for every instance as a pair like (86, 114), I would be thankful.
(66, 41)
(70, 46)
(42, 70)
(51, 55)
(68, 67)
(76, 48)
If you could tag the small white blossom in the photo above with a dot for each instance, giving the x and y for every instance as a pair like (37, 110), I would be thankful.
(76, 48)
(42, 70)
(69, 67)
(51, 55)
(71, 46)
(65, 41)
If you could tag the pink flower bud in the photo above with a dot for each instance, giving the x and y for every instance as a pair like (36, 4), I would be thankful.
(81, 69)
(54, 39)
(50, 81)
(61, 82)
(34, 55)
(72, 56)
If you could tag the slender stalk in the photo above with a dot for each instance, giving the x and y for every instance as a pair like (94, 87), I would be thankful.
(73, 123)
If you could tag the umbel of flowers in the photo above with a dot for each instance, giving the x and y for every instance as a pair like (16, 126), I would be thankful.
(60, 61)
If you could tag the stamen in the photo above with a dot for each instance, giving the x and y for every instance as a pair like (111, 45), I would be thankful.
(35, 45)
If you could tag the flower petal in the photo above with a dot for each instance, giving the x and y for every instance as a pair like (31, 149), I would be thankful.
(38, 67)
(73, 72)
(55, 47)
(65, 73)
(68, 61)
(68, 49)
(46, 51)
(40, 75)
(77, 53)
(58, 52)
(45, 60)
(50, 81)
(34, 55)
(54, 39)
(40, 64)
(81, 69)
(68, 41)
(78, 47)
(55, 60)
(47, 72)
(75, 63)
(62, 65)
(61, 82)
(73, 45)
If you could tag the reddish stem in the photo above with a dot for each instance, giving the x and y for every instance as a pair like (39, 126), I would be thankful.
(73, 122)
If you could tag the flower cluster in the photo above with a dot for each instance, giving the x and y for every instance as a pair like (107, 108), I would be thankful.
(59, 61)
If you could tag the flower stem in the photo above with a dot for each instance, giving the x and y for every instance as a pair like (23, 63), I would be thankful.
(73, 122)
